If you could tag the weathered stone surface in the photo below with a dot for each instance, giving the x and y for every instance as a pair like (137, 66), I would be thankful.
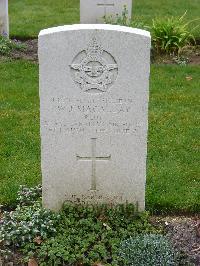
(93, 11)
(4, 26)
(94, 107)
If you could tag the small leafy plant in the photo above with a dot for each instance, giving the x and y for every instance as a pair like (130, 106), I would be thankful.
(123, 20)
(78, 235)
(29, 222)
(170, 35)
(7, 45)
(151, 250)
(91, 234)
(27, 196)
(181, 60)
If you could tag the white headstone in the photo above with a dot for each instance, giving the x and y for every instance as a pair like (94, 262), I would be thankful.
(93, 11)
(4, 26)
(94, 109)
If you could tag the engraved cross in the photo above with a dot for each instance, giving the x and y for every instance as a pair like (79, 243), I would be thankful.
(105, 5)
(93, 158)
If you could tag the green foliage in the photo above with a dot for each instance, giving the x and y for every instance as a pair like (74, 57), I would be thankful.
(145, 250)
(24, 224)
(181, 60)
(6, 255)
(28, 221)
(171, 34)
(27, 196)
(78, 234)
(89, 234)
(6, 45)
(123, 20)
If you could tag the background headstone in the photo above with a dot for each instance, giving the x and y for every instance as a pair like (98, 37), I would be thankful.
(93, 11)
(94, 109)
(4, 25)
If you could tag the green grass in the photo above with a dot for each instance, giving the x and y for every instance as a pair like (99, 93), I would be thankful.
(173, 181)
(173, 168)
(28, 17)
(19, 131)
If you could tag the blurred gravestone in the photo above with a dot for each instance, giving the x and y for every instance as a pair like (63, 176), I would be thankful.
(93, 11)
(4, 25)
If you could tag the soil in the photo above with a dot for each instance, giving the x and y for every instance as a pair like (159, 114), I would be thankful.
(184, 233)
(30, 52)
(188, 55)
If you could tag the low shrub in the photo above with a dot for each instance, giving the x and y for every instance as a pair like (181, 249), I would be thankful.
(91, 234)
(27, 224)
(170, 35)
(78, 235)
(151, 250)
(27, 196)
(7, 45)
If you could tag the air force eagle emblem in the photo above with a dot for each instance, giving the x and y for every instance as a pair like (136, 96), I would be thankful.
(94, 69)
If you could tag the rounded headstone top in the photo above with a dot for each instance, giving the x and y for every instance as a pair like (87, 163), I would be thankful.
(95, 27)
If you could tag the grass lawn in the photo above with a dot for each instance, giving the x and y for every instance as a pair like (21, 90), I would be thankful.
(28, 17)
(19, 131)
(172, 183)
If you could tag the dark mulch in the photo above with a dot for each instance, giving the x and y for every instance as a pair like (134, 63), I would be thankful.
(190, 54)
(184, 232)
(29, 53)
(185, 235)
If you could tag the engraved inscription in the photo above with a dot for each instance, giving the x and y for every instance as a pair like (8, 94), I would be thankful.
(93, 158)
(90, 116)
(94, 69)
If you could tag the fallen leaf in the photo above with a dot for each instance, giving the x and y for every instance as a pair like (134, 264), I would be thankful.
(188, 78)
(32, 262)
(107, 226)
(97, 264)
(38, 240)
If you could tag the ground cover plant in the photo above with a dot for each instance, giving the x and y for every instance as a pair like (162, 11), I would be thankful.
(7, 45)
(28, 17)
(78, 235)
(147, 249)
(172, 143)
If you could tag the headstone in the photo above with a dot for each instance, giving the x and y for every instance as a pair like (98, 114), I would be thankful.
(94, 109)
(93, 11)
(4, 26)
